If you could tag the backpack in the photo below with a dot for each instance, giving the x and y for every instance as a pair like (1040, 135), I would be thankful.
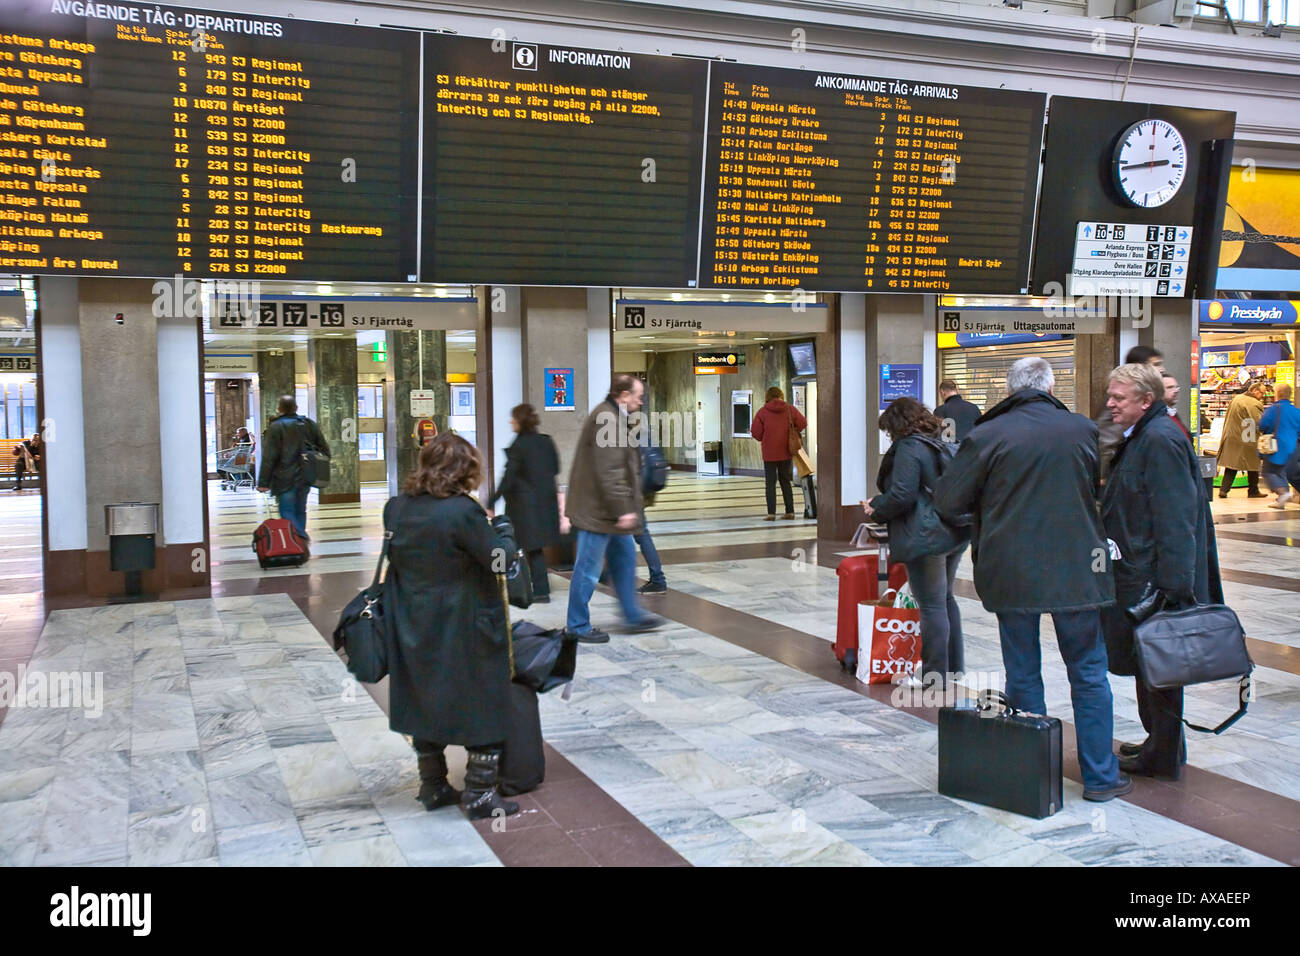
(654, 470)
(313, 465)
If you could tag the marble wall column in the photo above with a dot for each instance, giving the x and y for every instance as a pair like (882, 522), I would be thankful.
(231, 403)
(1173, 326)
(409, 354)
(275, 377)
(332, 380)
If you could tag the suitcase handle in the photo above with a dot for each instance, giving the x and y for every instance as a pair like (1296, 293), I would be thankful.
(874, 532)
(989, 699)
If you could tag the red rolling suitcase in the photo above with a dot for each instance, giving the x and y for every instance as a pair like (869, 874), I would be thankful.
(862, 579)
(278, 544)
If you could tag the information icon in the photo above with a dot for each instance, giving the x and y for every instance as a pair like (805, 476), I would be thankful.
(525, 56)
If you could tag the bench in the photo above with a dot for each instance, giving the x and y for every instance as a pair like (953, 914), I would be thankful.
(7, 477)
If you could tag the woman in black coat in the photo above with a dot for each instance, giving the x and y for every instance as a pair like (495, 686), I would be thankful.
(449, 649)
(929, 548)
(1155, 510)
(528, 486)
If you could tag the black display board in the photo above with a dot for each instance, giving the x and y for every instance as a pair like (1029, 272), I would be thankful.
(1080, 184)
(547, 165)
(141, 140)
(828, 182)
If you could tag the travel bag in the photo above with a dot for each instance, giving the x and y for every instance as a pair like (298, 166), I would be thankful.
(278, 544)
(861, 579)
(1004, 759)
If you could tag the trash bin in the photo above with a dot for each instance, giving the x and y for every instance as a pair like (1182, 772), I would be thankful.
(131, 528)
(1209, 468)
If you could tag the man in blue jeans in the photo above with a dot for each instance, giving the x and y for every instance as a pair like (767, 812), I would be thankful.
(604, 503)
(283, 443)
(1026, 477)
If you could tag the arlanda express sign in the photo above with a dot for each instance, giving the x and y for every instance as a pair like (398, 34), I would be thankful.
(1250, 312)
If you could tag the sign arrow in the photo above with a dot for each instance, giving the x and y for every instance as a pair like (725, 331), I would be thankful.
(1183, 234)
(1182, 251)
(1087, 232)
(1178, 271)
(1178, 287)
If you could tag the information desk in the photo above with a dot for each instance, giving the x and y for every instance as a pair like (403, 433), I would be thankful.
(828, 182)
(549, 165)
(173, 141)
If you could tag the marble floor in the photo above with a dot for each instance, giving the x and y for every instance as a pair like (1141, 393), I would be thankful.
(729, 737)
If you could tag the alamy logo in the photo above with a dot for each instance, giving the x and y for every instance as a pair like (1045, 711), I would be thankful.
(75, 908)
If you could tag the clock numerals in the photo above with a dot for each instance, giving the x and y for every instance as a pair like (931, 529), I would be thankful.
(1150, 163)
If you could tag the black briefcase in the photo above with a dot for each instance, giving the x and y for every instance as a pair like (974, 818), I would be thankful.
(1001, 758)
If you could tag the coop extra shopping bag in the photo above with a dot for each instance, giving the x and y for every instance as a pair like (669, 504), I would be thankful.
(894, 640)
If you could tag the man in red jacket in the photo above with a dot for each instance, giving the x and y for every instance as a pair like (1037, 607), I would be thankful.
(772, 427)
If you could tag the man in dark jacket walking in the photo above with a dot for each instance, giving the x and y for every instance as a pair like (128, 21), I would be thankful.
(1109, 435)
(1155, 511)
(287, 437)
(604, 504)
(958, 414)
(1026, 476)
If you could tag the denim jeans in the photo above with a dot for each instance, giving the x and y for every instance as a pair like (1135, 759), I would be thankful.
(1274, 476)
(593, 549)
(931, 579)
(1078, 635)
(293, 505)
(651, 555)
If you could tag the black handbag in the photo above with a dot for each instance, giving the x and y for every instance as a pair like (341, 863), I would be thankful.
(362, 630)
(1005, 759)
(544, 660)
(1194, 645)
(519, 582)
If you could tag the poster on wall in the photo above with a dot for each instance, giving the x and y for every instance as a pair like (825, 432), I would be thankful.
(462, 400)
(558, 389)
(899, 381)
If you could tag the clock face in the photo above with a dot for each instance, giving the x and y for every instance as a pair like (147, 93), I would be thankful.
(1150, 163)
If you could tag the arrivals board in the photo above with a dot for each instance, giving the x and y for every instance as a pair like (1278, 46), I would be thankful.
(548, 165)
(147, 140)
(829, 182)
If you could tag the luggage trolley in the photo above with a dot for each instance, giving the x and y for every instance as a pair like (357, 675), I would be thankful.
(235, 466)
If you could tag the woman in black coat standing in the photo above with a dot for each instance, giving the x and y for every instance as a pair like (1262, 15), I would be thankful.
(528, 486)
(449, 648)
(918, 537)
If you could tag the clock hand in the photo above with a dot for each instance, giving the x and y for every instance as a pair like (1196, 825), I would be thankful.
(1154, 162)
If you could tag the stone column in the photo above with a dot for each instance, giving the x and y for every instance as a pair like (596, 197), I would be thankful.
(1172, 327)
(275, 377)
(894, 328)
(557, 333)
(332, 379)
(1094, 357)
(231, 403)
(406, 352)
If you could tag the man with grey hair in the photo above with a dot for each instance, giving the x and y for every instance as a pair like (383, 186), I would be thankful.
(1026, 480)
(1156, 512)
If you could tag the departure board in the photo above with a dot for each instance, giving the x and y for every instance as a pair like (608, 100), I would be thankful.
(828, 182)
(142, 140)
(547, 165)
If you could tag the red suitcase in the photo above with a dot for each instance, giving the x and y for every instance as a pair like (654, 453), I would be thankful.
(861, 580)
(278, 544)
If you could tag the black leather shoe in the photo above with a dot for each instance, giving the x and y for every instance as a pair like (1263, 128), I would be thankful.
(541, 599)
(651, 623)
(1131, 750)
(1137, 767)
(1124, 786)
(593, 636)
(649, 588)
(1256, 494)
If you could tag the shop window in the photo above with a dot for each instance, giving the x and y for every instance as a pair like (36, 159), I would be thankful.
(371, 446)
(370, 401)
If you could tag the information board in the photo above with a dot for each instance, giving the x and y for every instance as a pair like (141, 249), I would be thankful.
(143, 140)
(829, 182)
(1128, 258)
(551, 165)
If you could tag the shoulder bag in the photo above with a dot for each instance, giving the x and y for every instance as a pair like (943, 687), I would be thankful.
(793, 442)
(518, 576)
(362, 632)
(1194, 645)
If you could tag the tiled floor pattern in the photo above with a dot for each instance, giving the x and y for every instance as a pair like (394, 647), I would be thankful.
(229, 734)
(727, 755)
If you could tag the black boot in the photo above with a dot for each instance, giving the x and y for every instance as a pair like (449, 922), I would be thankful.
(435, 791)
(481, 799)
